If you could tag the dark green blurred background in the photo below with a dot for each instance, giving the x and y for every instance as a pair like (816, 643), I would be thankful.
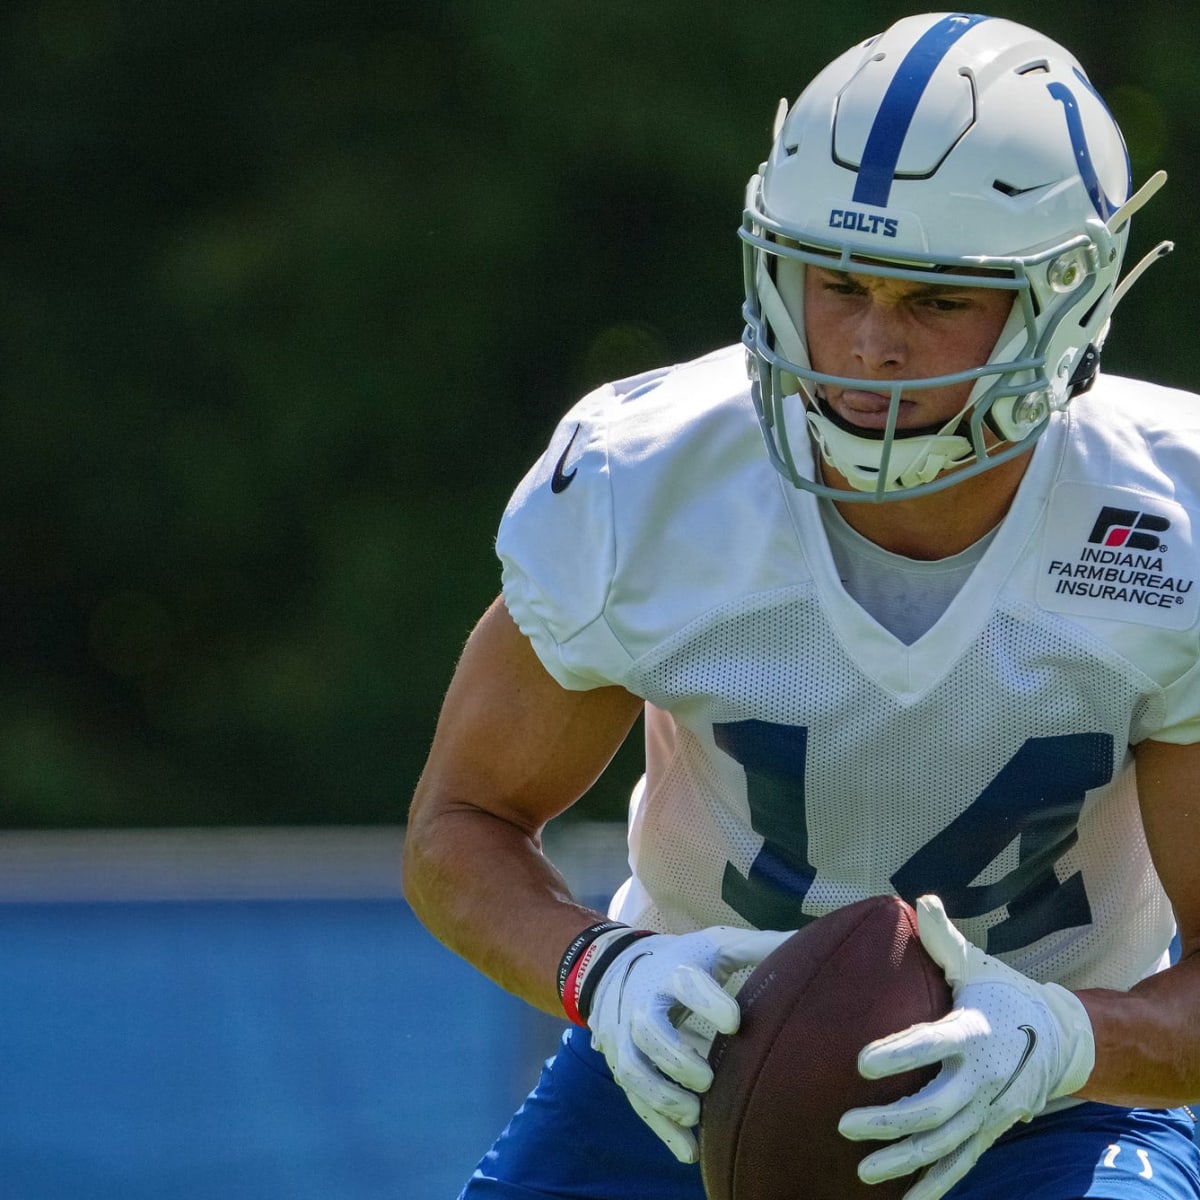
(292, 294)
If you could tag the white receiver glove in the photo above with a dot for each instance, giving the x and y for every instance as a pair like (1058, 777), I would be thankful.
(641, 999)
(1008, 1045)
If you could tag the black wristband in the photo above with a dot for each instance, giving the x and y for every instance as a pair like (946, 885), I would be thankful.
(578, 946)
(596, 969)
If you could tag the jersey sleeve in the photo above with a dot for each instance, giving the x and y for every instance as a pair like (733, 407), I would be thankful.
(557, 547)
(647, 510)
(1181, 725)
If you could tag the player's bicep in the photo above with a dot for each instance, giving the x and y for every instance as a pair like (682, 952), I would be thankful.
(1169, 791)
(511, 741)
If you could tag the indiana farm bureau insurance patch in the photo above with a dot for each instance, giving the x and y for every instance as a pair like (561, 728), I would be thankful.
(1108, 552)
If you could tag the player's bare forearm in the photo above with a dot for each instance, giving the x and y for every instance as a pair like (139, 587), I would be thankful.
(512, 750)
(482, 886)
(1148, 1040)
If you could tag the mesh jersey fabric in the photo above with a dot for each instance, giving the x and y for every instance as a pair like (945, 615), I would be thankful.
(799, 756)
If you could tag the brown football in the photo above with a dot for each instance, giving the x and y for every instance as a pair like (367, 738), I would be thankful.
(768, 1125)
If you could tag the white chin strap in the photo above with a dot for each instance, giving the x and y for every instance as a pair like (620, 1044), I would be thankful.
(913, 460)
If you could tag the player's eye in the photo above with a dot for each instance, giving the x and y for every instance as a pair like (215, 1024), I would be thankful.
(843, 287)
(943, 304)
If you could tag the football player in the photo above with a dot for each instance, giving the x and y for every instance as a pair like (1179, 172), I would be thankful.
(942, 639)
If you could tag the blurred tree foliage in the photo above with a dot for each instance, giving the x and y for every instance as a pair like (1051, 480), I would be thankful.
(292, 294)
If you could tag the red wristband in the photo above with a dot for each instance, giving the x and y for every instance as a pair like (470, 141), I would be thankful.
(570, 996)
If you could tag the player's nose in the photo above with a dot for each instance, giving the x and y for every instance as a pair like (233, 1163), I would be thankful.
(879, 341)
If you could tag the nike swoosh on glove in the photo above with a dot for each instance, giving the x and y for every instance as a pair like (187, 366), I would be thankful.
(1007, 1046)
(641, 999)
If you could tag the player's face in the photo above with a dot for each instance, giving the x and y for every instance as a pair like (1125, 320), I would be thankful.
(873, 327)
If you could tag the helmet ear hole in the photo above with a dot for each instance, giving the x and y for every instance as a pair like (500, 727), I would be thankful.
(1085, 321)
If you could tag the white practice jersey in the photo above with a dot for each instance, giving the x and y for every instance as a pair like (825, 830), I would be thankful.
(799, 756)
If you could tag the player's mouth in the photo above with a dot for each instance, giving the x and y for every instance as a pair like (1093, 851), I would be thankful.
(869, 409)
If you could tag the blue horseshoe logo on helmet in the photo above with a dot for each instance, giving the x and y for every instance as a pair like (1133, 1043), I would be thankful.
(1083, 155)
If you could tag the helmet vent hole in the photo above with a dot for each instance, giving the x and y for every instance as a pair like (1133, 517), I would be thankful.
(1037, 67)
(1013, 189)
(1088, 316)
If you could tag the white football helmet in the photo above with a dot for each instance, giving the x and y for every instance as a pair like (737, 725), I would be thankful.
(951, 141)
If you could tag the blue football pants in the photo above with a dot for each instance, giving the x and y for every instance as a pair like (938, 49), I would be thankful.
(577, 1138)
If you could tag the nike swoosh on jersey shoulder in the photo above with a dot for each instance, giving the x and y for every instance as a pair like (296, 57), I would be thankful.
(561, 479)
